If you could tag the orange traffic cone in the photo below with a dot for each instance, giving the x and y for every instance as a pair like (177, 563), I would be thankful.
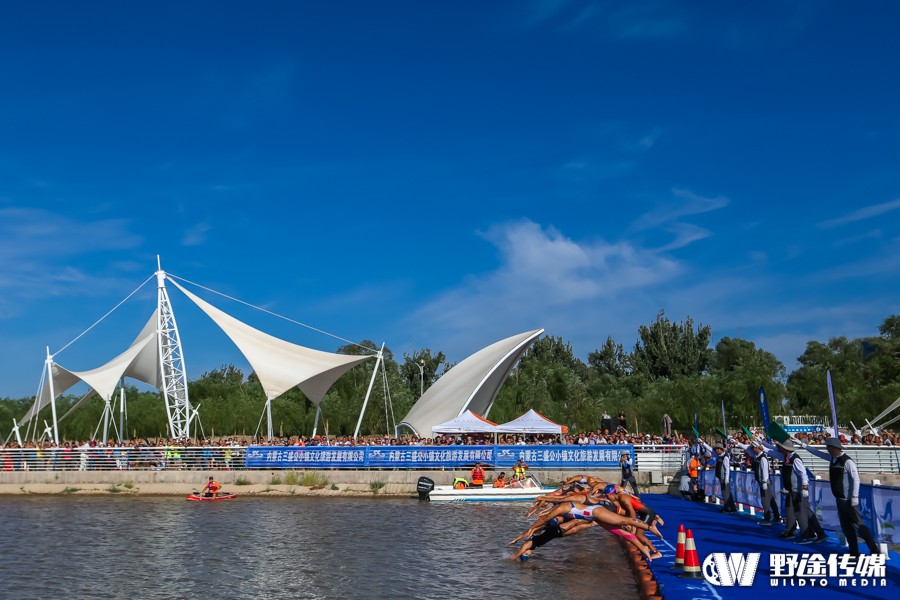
(691, 560)
(679, 549)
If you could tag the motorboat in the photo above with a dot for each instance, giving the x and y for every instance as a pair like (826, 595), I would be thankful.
(525, 490)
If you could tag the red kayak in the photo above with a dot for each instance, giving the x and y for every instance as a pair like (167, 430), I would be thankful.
(221, 496)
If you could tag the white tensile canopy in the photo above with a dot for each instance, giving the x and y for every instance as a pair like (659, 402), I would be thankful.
(468, 422)
(472, 384)
(102, 380)
(532, 422)
(278, 364)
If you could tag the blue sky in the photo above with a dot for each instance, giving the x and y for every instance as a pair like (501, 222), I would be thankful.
(446, 174)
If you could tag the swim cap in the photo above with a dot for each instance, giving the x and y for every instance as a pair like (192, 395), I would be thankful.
(610, 489)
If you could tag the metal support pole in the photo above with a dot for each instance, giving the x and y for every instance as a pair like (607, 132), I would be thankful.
(269, 417)
(369, 391)
(122, 433)
(316, 422)
(55, 436)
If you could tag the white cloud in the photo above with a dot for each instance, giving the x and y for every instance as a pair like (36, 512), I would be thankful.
(546, 279)
(690, 204)
(196, 235)
(866, 212)
(38, 247)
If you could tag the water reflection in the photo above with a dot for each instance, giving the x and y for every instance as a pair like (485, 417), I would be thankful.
(93, 547)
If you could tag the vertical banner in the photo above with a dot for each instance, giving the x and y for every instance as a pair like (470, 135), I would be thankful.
(724, 423)
(834, 420)
(764, 409)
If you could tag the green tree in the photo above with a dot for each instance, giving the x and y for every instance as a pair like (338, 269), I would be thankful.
(667, 350)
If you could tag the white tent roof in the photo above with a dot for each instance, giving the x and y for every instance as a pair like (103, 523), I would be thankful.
(278, 364)
(531, 422)
(146, 366)
(102, 380)
(468, 422)
(472, 384)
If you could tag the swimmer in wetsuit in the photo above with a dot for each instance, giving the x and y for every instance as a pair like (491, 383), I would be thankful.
(604, 513)
(552, 530)
(626, 502)
(573, 485)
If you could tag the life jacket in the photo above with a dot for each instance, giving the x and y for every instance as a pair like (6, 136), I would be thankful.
(693, 467)
(520, 471)
(477, 476)
(499, 484)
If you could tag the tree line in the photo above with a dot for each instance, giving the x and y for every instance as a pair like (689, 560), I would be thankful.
(671, 369)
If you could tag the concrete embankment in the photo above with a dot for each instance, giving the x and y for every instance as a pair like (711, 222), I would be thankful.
(255, 483)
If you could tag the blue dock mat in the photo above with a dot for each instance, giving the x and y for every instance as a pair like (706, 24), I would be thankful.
(715, 532)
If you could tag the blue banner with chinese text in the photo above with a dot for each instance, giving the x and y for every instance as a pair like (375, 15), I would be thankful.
(435, 457)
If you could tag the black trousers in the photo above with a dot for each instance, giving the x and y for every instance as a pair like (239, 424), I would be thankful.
(728, 504)
(796, 509)
(769, 504)
(634, 485)
(851, 524)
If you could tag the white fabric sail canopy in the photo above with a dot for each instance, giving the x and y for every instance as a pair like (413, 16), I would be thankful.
(146, 367)
(472, 384)
(102, 380)
(532, 422)
(278, 364)
(468, 422)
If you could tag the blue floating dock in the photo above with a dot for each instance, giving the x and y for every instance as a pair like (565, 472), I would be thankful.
(714, 531)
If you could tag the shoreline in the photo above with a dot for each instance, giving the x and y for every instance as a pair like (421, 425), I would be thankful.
(261, 484)
(180, 490)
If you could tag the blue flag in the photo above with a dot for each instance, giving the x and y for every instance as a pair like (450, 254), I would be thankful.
(833, 406)
(764, 408)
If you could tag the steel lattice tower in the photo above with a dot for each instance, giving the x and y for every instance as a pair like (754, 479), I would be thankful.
(171, 361)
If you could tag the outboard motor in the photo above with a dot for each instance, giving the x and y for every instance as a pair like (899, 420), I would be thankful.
(424, 486)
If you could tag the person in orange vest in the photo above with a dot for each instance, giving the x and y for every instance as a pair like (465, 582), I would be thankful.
(477, 476)
(501, 481)
(212, 488)
(694, 474)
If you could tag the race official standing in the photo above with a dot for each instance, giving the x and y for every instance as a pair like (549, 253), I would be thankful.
(795, 483)
(628, 473)
(844, 478)
(723, 474)
(760, 466)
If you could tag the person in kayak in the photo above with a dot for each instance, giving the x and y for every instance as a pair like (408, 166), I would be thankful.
(212, 488)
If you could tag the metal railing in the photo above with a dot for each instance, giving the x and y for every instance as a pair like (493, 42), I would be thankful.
(868, 459)
(648, 457)
(149, 458)
(667, 458)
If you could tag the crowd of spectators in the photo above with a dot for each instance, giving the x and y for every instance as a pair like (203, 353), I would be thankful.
(226, 452)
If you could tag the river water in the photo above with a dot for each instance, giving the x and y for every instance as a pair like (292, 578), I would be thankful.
(274, 548)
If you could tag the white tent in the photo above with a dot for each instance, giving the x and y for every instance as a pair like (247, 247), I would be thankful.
(468, 422)
(102, 380)
(532, 422)
(278, 364)
(471, 384)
